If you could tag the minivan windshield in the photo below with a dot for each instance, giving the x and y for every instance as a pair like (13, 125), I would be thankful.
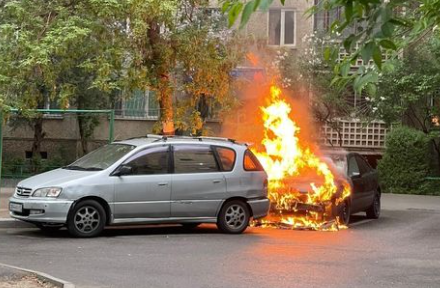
(101, 158)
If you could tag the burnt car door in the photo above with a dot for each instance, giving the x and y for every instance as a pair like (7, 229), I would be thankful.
(358, 185)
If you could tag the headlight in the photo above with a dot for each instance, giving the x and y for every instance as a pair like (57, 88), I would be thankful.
(52, 192)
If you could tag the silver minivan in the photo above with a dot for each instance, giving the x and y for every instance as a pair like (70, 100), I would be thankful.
(149, 180)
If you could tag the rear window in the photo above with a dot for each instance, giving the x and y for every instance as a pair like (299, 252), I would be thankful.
(194, 159)
(227, 158)
(250, 162)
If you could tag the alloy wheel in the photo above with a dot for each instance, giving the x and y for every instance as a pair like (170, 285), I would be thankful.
(235, 216)
(87, 219)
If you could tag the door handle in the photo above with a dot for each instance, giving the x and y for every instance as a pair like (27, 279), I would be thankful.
(162, 184)
(216, 181)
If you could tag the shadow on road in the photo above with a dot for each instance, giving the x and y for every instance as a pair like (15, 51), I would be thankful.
(145, 230)
(356, 222)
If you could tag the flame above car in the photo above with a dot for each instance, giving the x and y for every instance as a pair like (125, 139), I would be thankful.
(290, 162)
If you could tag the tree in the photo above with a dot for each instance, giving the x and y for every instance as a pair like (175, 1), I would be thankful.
(86, 53)
(193, 47)
(55, 51)
(410, 93)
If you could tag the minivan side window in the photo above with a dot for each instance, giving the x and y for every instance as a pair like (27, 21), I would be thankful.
(194, 159)
(153, 160)
(250, 162)
(227, 157)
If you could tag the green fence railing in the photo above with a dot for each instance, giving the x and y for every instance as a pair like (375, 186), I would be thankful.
(24, 171)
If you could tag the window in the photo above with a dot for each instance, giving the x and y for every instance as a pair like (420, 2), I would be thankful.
(194, 159)
(30, 154)
(364, 167)
(324, 19)
(140, 105)
(101, 158)
(227, 158)
(352, 166)
(282, 27)
(251, 163)
(153, 160)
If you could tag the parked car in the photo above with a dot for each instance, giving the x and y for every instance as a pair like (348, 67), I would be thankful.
(363, 179)
(346, 167)
(148, 180)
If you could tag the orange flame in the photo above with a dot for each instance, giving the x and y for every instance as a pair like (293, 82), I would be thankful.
(286, 160)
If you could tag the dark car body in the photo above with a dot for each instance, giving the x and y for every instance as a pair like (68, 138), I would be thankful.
(366, 193)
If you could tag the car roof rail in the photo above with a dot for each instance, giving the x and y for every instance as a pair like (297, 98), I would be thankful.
(215, 138)
(153, 136)
(200, 138)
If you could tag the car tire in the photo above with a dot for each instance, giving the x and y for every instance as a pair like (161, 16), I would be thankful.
(233, 217)
(373, 212)
(87, 219)
(190, 226)
(344, 213)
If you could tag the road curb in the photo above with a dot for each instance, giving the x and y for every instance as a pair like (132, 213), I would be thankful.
(12, 223)
(43, 276)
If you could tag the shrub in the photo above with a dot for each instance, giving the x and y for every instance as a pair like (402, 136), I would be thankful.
(405, 164)
(12, 166)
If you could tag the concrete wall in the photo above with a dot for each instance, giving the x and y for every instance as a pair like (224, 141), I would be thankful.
(62, 136)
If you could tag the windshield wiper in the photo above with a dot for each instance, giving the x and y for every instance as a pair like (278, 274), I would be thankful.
(75, 167)
(72, 167)
(93, 169)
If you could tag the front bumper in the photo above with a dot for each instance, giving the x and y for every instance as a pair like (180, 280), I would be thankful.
(260, 207)
(41, 210)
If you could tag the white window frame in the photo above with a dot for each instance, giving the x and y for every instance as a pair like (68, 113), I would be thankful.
(282, 28)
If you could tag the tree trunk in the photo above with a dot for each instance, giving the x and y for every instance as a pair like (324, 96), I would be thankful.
(82, 135)
(437, 150)
(166, 106)
(36, 145)
(82, 124)
(161, 66)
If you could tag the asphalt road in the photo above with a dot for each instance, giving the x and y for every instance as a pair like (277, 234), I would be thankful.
(401, 249)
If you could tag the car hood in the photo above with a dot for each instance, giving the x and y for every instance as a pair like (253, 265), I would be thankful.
(303, 184)
(55, 178)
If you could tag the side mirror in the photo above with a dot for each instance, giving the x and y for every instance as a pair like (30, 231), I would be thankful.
(355, 175)
(123, 170)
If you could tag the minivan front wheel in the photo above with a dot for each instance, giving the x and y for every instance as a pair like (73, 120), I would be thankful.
(87, 219)
(234, 217)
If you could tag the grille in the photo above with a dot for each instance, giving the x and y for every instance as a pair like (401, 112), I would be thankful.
(23, 192)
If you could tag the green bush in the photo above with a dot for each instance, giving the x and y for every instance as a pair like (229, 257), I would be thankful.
(405, 164)
(12, 166)
(431, 186)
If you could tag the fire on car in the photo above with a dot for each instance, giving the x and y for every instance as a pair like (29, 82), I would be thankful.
(305, 189)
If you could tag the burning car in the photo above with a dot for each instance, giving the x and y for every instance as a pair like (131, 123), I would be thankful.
(306, 189)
